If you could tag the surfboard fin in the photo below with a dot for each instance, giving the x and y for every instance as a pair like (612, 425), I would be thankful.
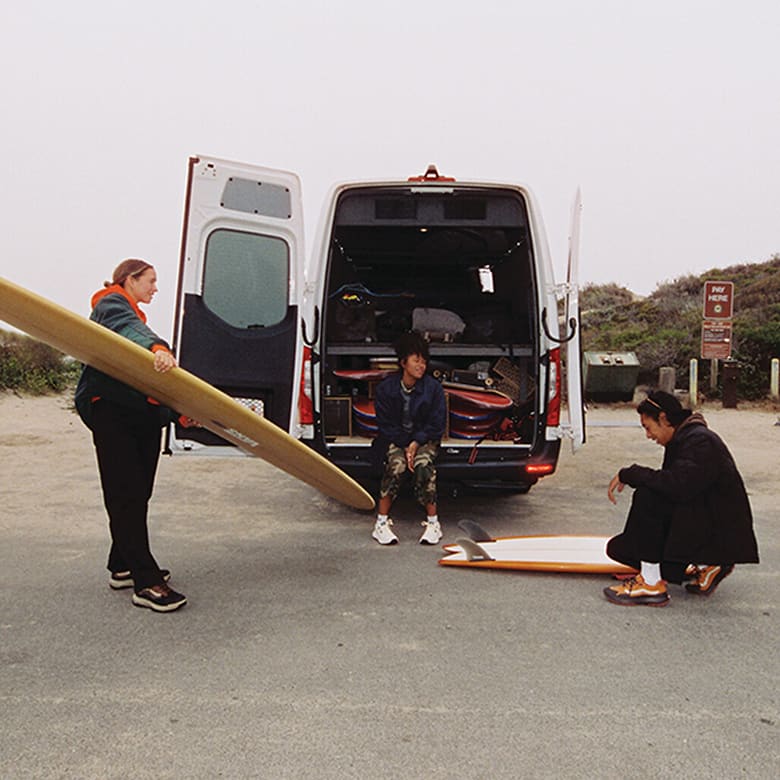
(475, 531)
(473, 551)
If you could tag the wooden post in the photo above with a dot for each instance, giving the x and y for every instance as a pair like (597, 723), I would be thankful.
(714, 375)
(667, 378)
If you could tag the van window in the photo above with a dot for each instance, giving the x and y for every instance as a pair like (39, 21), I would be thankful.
(245, 278)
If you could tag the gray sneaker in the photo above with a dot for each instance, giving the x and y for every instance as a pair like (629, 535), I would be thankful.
(382, 532)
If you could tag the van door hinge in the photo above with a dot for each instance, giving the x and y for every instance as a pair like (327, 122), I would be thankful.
(563, 432)
(563, 289)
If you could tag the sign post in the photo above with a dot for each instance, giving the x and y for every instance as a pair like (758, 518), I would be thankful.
(716, 325)
(716, 340)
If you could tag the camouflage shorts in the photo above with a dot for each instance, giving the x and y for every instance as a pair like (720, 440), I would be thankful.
(424, 472)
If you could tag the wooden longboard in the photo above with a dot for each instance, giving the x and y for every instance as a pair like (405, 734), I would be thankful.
(580, 554)
(178, 389)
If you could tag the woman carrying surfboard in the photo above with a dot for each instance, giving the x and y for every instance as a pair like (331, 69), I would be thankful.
(411, 415)
(126, 428)
(690, 520)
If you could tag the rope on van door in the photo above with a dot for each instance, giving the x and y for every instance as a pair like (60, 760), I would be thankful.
(572, 325)
(306, 340)
(473, 453)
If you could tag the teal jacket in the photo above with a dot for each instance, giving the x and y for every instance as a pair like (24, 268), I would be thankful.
(115, 310)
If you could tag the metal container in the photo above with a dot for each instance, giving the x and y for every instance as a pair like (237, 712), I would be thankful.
(610, 376)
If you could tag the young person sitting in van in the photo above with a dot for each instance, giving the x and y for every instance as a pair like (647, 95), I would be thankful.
(411, 414)
(690, 520)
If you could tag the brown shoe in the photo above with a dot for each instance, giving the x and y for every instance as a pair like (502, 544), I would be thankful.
(636, 592)
(708, 578)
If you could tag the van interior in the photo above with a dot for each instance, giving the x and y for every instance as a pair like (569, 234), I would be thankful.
(456, 264)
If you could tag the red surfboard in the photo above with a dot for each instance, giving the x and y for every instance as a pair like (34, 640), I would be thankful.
(461, 398)
(364, 373)
(364, 409)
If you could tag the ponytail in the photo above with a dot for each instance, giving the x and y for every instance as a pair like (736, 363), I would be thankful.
(127, 268)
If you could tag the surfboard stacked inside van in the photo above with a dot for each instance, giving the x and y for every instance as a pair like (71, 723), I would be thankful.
(305, 342)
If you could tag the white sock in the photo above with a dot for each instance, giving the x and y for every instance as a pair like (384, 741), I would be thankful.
(381, 518)
(651, 572)
(433, 518)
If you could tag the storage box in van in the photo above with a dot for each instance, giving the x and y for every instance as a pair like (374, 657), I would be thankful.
(305, 342)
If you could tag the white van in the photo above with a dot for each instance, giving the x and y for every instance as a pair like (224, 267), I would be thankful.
(465, 263)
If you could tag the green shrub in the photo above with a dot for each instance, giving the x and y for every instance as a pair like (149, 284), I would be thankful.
(664, 328)
(754, 348)
(29, 366)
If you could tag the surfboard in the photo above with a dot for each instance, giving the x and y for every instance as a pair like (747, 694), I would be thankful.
(364, 374)
(481, 426)
(555, 553)
(364, 408)
(470, 397)
(368, 431)
(474, 417)
(178, 389)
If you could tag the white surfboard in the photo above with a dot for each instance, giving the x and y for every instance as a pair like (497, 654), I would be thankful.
(581, 554)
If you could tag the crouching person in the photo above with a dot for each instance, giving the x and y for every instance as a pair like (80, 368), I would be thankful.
(690, 520)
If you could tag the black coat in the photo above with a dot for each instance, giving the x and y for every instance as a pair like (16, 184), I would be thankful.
(711, 519)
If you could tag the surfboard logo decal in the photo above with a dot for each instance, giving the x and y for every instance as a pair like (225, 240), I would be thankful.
(240, 436)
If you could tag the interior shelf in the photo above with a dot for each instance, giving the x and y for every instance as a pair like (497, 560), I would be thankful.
(375, 349)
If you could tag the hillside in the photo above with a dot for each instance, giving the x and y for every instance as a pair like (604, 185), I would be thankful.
(664, 328)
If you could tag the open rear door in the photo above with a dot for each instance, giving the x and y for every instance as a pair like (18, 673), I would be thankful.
(240, 280)
(574, 344)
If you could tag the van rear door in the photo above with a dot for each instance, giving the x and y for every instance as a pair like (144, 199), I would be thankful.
(573, 325)
(238, 301)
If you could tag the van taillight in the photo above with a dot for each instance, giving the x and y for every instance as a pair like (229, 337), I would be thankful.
(540, 469)
(554, 398)
(305, 404)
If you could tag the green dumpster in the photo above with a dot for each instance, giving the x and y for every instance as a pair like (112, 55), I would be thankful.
(609, 376)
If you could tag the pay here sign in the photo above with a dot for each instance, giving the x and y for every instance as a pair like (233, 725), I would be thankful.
(718, 300)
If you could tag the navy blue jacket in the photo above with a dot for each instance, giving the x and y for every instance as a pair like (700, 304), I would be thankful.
(427, 407)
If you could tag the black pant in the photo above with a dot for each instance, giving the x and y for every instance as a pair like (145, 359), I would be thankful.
(644, 537)
(127, 442)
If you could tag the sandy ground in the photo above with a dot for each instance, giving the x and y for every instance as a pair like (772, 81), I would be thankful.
(308, 651)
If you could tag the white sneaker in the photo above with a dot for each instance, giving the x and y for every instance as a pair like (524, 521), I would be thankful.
(432, 532)
(382, 532)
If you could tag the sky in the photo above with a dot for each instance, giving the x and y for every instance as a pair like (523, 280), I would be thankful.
(665, 114)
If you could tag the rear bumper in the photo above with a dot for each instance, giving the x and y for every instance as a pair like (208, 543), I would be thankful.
(492, 468)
